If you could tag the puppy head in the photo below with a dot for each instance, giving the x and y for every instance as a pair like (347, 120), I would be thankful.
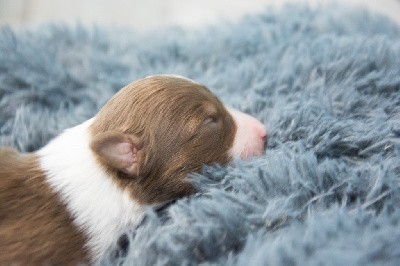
(156, 131)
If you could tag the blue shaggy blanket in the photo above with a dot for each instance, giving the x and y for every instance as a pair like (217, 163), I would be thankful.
(326, 82)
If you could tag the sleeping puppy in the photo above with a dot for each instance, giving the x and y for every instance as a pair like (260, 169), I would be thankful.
(65, 203)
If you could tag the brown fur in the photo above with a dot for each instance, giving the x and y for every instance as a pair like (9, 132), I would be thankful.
(181, 126)
(176, 127)
(35, 229)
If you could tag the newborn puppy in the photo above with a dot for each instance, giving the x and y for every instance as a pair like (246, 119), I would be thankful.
(65, 203)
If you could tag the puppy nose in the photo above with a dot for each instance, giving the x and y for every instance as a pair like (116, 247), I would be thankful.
(264, 138)
(263, 133)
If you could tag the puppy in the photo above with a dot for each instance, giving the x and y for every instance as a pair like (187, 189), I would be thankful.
(65, 203)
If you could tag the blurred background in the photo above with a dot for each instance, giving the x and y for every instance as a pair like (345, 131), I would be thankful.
(150, 14)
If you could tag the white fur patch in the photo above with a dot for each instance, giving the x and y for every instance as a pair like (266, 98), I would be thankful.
(240, 140)
(98, 206)
(248, 140)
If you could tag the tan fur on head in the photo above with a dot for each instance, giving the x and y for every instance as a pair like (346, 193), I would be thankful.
(181, 126)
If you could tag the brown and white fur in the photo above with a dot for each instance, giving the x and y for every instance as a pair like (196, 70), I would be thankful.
(65, 203)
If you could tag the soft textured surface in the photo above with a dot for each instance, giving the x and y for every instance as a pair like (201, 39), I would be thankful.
(325, 82)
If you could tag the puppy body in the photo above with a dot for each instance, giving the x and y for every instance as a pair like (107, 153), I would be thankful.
(65, 203)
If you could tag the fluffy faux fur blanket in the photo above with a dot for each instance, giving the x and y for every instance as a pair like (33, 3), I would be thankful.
(326, 82)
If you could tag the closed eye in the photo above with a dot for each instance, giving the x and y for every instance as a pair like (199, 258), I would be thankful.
(209, 120)
(212, 124)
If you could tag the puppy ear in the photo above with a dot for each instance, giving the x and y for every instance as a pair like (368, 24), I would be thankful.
(118, 150)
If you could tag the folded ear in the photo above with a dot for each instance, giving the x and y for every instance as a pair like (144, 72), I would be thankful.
(118, 150)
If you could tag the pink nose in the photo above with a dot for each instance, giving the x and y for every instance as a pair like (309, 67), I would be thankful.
(251, 135)
(261, 131)
(264, 138)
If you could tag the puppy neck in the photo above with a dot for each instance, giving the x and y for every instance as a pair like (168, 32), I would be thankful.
(98, 206)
